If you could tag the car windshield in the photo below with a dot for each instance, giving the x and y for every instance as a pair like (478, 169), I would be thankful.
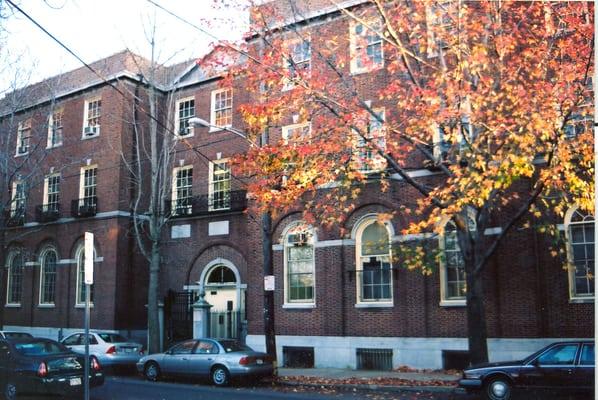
(112, 338)
(231, 346)
(17, 335)
(39, 348)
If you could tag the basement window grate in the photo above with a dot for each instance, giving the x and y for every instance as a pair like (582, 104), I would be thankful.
(455, 359)
(298, 357)
(374, 359)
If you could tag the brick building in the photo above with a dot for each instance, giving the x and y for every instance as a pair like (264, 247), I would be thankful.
(75, 133)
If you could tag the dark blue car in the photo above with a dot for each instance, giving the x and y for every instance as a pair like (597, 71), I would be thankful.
(562, 368)
(43, 366)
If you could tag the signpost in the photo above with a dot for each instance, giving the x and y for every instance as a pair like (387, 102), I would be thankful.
(88, 280)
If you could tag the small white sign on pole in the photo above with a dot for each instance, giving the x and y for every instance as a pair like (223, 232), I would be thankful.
(88, 262)
(269, 284)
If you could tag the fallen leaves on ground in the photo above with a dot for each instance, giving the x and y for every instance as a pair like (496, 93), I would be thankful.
(380, 381)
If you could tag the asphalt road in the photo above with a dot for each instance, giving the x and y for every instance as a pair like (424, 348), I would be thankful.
(130, 388)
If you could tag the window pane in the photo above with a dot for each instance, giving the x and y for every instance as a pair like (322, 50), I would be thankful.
(577, 233)
(587, 355)
(374, 240)
(559, 355)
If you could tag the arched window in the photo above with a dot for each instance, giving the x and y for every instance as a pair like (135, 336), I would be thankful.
(221, 275)
(47, 285)
(580, 232)
(15, 279)
(81, 278)
(374, 266)
(299, 269)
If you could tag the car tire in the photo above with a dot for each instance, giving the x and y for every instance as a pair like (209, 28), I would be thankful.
(151, 371)
(498, 388)
(9, 391)
(220, 376)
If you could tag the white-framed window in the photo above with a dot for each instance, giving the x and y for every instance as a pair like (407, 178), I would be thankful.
(367, 158)
(299, 265)
(88, 182)
(185, 110)
(91, 118)
(182, 190)
(23, 137)
(19, 199)
(80, 257)
(296, 133)
(220, 185)
(297, 62)
(51, 193)
(374, 262)
(440, 25)
(222, 108)
(47, 276)
(580, 250)
(14, 289)
(366, 47)
(55, 129)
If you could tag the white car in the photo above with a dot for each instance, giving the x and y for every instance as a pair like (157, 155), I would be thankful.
(111, 349)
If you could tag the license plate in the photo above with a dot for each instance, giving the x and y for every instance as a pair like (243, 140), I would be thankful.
(129, 350)
(259, 361)
(75, 381)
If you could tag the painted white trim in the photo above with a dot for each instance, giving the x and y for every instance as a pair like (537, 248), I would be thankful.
(413, 236)
(298, 306)
(493, 231)
(453, 303)
(286, 292)
(215, 263)
(85, 119)
(374, 304)
(177, 121)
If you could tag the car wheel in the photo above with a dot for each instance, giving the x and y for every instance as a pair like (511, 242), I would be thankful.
(10, 391)
(498, 388)
(220, 376)
(151, 371)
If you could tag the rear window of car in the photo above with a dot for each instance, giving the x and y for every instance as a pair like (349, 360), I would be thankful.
(17, 335)
(112, 338)
(39, 348)
(230, 346)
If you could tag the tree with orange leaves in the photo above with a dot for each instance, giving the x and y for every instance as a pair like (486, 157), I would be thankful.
(492, 97)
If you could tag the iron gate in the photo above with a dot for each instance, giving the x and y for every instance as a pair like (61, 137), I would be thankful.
(227, 324)
(178, 316)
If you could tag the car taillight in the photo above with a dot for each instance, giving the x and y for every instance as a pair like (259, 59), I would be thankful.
(111, 350)
(42, 370)
(141, 352)
(95, 364)
(246, 360)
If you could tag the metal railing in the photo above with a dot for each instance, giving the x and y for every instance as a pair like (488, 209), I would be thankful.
(14, 217)
(85, 207)
(226, 324)
(207, 204)
(47, 212)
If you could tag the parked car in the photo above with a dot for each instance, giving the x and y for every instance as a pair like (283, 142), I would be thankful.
(566, 367)
(111, 349)
(43, 366)
(14, 335)
(217, 359)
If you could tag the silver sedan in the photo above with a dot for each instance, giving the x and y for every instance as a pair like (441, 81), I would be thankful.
(111, 349)
(218, 359)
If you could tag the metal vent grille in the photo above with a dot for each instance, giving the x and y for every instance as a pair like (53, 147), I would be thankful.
(374, 359)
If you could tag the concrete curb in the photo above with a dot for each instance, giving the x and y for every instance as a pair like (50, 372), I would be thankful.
(376, 388)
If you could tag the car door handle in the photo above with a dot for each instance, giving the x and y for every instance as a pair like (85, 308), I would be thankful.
(210, 359)
(569, 371)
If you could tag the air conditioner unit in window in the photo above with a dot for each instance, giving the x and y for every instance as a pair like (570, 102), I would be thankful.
(91, 130)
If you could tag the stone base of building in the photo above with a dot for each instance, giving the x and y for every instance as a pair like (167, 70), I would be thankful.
(420, 353)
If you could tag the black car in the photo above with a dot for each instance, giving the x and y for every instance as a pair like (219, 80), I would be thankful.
(43, 366)
(559, 368)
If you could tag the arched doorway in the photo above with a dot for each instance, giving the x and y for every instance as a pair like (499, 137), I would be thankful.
(221, 282)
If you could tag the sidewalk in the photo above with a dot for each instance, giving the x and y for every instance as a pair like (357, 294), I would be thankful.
(369, 380)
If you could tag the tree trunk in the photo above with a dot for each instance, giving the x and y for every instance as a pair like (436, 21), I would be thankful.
(153, 321)
(476, 319)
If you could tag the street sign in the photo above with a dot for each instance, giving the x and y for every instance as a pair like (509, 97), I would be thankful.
(88, 263)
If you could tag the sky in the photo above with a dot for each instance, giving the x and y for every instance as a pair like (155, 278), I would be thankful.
(94, 29)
